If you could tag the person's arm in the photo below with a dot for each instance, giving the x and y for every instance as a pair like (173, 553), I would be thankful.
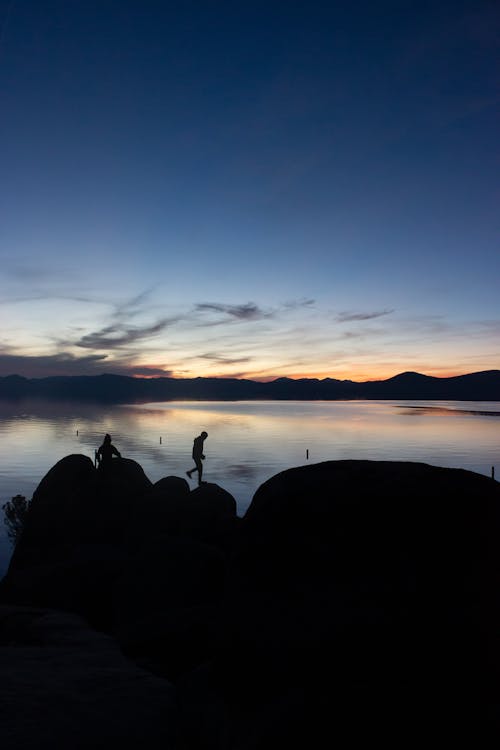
(116, 452)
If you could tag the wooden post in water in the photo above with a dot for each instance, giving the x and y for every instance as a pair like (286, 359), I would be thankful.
(493, 472)
(160, 439)
(307, 454)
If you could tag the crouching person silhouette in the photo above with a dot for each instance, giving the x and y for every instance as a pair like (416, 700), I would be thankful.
(105, 453)
(198, 456)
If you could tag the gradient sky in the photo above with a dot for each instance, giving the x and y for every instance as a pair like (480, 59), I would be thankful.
(249, 189)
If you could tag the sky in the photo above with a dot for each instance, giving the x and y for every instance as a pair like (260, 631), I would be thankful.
(249, 189)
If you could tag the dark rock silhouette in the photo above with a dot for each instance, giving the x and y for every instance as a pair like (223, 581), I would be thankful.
(64, 685)
(170, 487)
(357, 598)
(166, 603)
(84, 525)
(354, 600)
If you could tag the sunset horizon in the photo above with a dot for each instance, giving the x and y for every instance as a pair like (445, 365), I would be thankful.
(259, 379)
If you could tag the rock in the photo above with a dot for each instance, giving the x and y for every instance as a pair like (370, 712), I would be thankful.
(355, 598)
(170, 487)
(55, 508)
(73, 545)
(64, 685)
(364, 587)
(82, 583)
(206, 514)
(166, 604)
(77, 504)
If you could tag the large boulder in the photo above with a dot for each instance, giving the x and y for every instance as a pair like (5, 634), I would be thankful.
(170, 487)
(77, 504)
(363, 598)
(88, 528)
(207, 513)
(57, 507)
(73, 545)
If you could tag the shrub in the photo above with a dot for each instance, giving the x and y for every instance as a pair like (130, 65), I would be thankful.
(15, 512)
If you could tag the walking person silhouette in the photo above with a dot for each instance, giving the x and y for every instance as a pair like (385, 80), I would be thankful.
(198, 456)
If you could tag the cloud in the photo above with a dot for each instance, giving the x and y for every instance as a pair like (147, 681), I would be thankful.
(298, 303)
(345, 317)
(146, 371)
(65, 363)
(248, 311)
(117, 336)
(133, 306)
(117, 332)
(62, 363)
(221, 359)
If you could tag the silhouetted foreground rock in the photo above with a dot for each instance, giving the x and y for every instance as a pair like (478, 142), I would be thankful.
(66, 686)
(355, 599)
(85, 525)
(362, 602)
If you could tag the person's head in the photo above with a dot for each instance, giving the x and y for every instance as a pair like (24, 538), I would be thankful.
(204, 434)
(107, 438)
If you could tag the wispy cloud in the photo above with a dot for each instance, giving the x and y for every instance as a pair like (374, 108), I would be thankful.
(346, 317)
(117, 330)
(222, 359)
(297, 304)
(247, 311)
(117, 336)
(133, 306)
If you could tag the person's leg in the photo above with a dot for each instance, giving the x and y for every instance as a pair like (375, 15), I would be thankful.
(199, 467)
(195, 468)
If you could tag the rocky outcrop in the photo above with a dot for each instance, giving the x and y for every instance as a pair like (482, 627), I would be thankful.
(205, 513)
(354, 600)
(85, 528)
(357, 597)
(66, 686)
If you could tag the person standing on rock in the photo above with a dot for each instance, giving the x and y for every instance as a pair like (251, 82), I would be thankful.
(106, 452)
(198, 455)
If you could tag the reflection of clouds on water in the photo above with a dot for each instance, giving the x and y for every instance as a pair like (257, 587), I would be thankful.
(243, 471)
(413, 411)
(54, 410)
(408, 412)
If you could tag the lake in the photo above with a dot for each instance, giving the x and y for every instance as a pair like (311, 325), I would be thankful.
(248, 441)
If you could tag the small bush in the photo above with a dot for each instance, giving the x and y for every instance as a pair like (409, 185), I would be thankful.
(15, 512)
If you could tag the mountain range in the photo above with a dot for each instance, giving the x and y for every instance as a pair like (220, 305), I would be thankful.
(119, 389)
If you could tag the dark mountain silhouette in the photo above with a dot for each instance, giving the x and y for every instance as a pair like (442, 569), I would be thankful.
(478, 386)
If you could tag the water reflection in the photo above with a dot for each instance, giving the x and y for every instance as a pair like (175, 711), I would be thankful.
(446, 412)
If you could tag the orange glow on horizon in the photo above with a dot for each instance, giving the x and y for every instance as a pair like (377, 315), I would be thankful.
(358, 377)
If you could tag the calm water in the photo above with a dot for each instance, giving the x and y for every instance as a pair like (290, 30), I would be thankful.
(247, 442)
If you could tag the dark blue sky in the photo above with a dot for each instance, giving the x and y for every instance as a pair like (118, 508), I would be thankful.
(262, 189)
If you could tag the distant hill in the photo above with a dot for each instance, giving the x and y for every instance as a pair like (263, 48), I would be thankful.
(118, 389)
